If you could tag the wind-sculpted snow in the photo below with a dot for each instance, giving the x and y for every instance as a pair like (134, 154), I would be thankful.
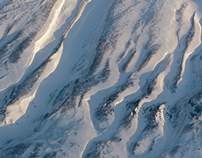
(100, 78)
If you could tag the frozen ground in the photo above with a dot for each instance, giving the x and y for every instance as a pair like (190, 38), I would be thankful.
(100, 78)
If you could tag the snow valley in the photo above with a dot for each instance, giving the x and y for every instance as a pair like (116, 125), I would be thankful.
(100, 78)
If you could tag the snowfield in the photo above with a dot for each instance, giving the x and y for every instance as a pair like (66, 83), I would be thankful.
(100, 78)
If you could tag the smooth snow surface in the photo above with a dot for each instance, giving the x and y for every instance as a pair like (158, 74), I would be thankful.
(100, 78)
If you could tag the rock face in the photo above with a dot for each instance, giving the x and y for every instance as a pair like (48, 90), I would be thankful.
(100, 78)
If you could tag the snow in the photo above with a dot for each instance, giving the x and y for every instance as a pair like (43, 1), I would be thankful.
(100, 78)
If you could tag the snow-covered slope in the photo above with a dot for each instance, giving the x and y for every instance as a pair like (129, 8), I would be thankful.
(100, 78)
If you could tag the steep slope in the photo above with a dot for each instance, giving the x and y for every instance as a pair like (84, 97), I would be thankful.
(109, 78)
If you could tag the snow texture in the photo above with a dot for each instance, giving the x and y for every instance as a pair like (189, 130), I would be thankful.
(100, 78)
